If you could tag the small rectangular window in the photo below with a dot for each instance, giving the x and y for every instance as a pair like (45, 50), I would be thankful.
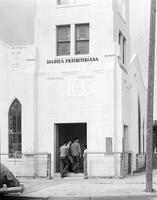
(63, 40)
(82, 39)
(122, 43)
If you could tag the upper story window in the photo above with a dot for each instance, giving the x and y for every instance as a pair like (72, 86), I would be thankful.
(81, 39)
(63, 40)
(122, 44)
(78, 44)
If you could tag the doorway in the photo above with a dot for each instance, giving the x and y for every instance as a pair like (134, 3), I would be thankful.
(69, 131)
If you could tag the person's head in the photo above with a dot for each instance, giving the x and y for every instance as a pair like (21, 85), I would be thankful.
(85, 147)
(69, 143)
(76, 139)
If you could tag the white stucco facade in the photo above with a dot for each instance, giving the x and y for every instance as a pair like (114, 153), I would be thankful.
(95, 89)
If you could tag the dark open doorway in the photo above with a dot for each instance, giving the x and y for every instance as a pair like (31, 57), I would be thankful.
(68, 131)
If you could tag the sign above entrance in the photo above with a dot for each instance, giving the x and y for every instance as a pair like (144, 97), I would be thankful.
(72, 60)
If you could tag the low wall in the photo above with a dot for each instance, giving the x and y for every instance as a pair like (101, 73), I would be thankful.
(126, 163)
(29, 165)
(140, 161)
(102, 164)
(155, 160)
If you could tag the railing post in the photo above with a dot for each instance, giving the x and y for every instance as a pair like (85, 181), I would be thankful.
(121, 164)
(85, 165)
(35, 166)
(49, 165)
(129, 163)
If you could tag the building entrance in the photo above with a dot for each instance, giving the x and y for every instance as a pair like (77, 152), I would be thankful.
(69, 131)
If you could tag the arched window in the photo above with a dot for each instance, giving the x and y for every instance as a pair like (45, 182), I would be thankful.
(14, 123)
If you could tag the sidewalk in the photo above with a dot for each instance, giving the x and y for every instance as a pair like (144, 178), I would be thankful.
(78, 188)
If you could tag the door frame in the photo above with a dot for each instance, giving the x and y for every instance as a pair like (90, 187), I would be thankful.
(56, 138)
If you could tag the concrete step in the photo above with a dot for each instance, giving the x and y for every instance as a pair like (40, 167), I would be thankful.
(70, 175)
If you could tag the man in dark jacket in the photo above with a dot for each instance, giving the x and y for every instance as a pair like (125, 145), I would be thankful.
(76, 154)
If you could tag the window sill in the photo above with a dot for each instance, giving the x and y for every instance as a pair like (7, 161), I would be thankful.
(73, 5)
(14, 159)
(72, 56)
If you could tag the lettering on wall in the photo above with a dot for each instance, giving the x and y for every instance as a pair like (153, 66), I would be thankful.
(72, 60)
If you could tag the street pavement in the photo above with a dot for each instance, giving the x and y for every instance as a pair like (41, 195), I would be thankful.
(130, 187)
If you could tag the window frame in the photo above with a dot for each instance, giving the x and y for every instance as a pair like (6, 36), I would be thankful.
(122, 44)
(15, 130)
(63, 41)
(81, 40)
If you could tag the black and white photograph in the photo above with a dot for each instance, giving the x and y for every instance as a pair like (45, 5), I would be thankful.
(78, 100)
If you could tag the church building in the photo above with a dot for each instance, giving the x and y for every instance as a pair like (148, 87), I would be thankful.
(77, 80)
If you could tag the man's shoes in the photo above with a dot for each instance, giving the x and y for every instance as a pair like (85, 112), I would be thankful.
(62, 176)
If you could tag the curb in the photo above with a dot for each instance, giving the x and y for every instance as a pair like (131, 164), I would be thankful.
(128, 197)
(7, 197)
(147, 196)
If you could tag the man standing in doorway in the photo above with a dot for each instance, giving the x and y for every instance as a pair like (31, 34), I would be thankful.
(64, 162)
(76, 154)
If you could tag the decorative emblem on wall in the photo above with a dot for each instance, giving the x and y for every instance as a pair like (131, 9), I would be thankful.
(80, 87)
